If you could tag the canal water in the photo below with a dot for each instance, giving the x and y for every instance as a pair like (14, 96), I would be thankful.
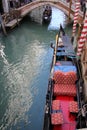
(25, 59)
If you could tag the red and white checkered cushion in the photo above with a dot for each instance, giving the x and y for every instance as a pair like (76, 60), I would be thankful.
(73, 107)
(58, 77)
(70, 77)
(55, 104)
(57, 118)
(65, 77)
(69, 90)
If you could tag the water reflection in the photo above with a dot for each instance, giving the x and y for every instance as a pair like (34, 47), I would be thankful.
(19, 77)
(23, 81)
(57, 17)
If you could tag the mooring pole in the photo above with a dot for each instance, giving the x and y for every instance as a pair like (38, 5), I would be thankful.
(79, 30)
(70, 3)
(2, 25)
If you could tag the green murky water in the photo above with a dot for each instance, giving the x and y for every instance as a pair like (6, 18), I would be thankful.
(24, 71)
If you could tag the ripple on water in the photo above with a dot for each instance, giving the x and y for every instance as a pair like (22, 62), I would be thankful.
(23, 81)
(19, 79)
(20, 97)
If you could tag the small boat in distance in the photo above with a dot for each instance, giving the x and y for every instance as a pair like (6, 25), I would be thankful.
(63, 110)
(47, 14)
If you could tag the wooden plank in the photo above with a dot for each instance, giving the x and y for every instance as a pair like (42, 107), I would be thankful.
(12, 23)
(68, 45)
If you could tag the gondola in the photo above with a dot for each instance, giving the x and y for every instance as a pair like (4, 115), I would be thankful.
(63, 110)
(47, 14)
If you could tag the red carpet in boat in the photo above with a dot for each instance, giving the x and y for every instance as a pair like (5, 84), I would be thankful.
(69, 122)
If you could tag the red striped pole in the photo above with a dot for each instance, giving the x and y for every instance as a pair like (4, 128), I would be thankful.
(76, 17)
(83, 36)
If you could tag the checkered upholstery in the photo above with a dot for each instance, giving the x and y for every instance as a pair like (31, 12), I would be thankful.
(55, 104)
(57, 118)
(70, 77)
(73, 107)
(61, 89)
(58, 77)
(65, 77)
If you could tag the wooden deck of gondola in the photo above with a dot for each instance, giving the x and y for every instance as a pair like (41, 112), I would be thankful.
(67, 48)
(67, 44)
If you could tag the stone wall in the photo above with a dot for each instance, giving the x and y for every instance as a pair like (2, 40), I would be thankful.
(37, 14)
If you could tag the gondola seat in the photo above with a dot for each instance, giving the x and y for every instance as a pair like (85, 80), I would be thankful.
(55, 104)
(65, 90)
(66, 78)
(64, 63)
(73, 107)
(57, 118)
(58, 77)
(65, 68)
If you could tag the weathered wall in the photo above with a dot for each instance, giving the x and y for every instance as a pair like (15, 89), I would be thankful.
(5, 6)
(36, 14)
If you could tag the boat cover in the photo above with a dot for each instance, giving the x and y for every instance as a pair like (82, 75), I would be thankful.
(61, 48)
(62, 53)
(64, 63)
(65, 68)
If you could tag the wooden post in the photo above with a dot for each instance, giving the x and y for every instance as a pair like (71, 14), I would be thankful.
(5, 6)
(69, 10)
(16, 16)
(2, 25)
(79, 31)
